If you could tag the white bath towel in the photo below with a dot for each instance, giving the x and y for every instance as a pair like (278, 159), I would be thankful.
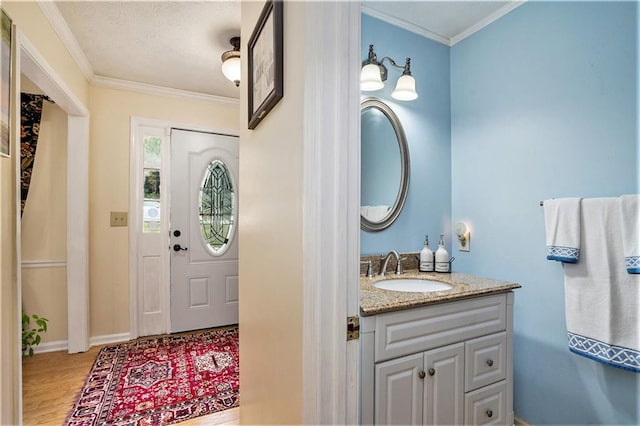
(562, 226)
(376, 213)
(630, 211)
(602, 300)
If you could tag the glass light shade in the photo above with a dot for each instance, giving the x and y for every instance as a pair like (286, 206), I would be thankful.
(370, 78)
(231, 69)
(405, 89)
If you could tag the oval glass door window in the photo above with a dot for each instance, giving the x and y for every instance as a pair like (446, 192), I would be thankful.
(217, 208)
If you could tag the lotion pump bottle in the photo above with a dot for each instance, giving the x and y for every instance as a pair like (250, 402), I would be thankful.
(426, 257)
(442, 257)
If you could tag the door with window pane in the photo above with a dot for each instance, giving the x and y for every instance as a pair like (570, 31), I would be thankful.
(203, 230)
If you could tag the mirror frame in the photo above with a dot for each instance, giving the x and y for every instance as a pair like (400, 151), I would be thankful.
(401, 197)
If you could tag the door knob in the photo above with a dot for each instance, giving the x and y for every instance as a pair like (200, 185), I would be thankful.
(177, 247)
(176, 233)
(432, 371)
(421, 374)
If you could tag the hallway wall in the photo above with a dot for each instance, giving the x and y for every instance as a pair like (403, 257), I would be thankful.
(111, 112)
(44, 224)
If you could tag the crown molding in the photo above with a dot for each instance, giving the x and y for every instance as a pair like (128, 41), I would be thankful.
(150, 89)
(405, 25)
(60, 26)
(486, 21)
(437, 37)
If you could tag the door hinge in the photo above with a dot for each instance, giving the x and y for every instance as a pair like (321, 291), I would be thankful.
(353, 328)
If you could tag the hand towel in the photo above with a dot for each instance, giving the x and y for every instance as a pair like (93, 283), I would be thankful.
(377, 213)
(602, 300)
(562, 225)
(630, 212)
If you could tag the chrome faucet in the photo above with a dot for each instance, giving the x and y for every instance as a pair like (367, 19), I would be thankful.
(385, 261)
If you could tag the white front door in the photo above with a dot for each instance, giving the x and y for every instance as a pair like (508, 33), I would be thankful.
(203, 230)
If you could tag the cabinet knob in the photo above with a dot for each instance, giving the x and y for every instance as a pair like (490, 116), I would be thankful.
(421, 374)
(432, 371)
(490, 363)
(489, 413)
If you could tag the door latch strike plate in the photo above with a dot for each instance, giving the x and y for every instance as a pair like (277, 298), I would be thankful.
(353, 328)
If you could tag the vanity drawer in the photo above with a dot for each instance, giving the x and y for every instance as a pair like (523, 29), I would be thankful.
(486, 406)
(485, 360)
(415, 330)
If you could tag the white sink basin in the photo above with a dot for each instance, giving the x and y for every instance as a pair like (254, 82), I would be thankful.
(412, 285)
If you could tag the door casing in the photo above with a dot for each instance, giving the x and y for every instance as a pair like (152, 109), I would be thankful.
(135, 212)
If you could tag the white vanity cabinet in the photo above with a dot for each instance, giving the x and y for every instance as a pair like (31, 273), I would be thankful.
(448, 363)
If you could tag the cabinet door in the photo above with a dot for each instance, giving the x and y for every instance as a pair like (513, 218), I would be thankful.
(399, 391)
(486, 405)
(444, 385)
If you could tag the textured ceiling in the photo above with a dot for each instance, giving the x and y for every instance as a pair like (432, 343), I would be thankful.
(173, 44)
(177, 44)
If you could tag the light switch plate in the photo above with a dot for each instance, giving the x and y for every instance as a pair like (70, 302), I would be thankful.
(119, 218)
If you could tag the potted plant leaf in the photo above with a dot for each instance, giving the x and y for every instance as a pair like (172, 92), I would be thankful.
(31, 332)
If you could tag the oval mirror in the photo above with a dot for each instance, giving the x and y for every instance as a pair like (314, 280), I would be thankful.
(384, 166)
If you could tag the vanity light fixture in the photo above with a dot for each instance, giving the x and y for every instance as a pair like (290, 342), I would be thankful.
(464, 236)
(374, 73)
(231, 62)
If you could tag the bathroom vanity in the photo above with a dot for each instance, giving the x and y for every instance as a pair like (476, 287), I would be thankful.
(441, 357)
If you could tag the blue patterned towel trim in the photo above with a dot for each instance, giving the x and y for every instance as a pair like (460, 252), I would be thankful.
(563, 254)
(633, 264)
(615, 356)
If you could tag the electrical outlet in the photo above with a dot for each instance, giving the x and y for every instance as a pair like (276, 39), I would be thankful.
(465, 245)
(119, 218)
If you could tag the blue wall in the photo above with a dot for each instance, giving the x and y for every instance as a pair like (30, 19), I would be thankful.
(427, 125)
(544, 104)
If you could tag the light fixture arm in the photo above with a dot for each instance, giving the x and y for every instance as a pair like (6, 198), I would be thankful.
(373, 59)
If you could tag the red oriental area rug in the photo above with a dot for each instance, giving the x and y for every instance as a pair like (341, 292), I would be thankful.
(161, 380)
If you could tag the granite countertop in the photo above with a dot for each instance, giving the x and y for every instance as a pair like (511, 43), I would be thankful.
(375, 301)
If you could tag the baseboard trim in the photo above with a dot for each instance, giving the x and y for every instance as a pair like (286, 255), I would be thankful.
(54, 346)
(109, 338)
(63, 345)
(520, 422)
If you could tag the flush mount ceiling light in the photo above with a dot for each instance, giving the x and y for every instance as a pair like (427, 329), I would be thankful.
(231, 62)
(374, 73)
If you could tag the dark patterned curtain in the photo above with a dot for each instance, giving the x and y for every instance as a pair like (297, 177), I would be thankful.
(29, 131)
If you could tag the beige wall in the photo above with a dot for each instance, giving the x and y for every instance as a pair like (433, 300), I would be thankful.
(270, 231)
(111, 112)
(44, 223)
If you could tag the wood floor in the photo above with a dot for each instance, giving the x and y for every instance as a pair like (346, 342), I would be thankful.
(51, 381)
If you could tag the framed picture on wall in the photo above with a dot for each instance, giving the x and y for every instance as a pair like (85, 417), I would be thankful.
(5, 85)
(265, 63)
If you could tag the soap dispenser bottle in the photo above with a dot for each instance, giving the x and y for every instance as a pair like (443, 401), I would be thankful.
(426, 257)
(442, 257)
